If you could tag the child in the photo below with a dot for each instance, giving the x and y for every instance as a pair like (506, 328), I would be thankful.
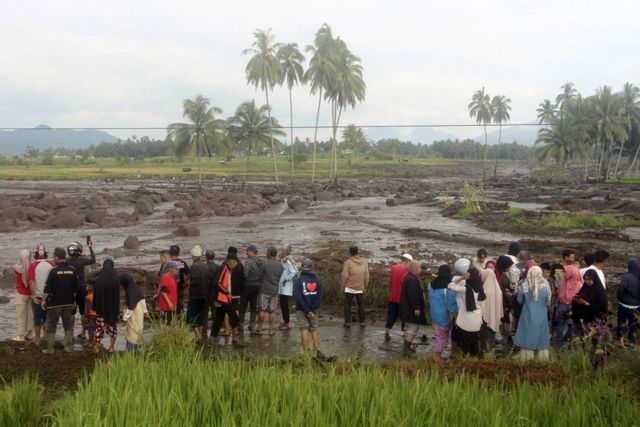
(308, 293)
(442, 303)
(90, 312)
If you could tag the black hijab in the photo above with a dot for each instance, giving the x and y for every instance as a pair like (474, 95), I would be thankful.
(133, 292)
(106, 293)
(595, 294)
(443, 279)
(504, 263)
(474, 284)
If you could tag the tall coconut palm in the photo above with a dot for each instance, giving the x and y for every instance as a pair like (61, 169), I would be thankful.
(631, 112)
(203, 133)
(319, 75)
(481, 110)
(546, 111)
(264, 70)
(580, 116)
(291, 60)
(250, 127)
(501, 106)
(557, 142)
(610, 128)
(568, 92)
(345, 90)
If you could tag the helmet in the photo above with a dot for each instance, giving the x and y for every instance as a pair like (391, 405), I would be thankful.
(40, 252)
(74, 249)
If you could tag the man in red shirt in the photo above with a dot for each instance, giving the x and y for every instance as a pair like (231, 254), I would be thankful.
(168, 298)
(398, 272)
(37, 277)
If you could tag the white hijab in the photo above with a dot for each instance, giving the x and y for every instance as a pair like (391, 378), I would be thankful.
(535, 281)
(24, 259)
(492, 310)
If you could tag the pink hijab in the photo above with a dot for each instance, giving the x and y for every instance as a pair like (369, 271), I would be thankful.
(571, 285)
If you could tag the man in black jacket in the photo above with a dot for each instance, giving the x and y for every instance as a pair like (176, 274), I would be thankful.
(629, 301)
(58, 299)
(412, 305)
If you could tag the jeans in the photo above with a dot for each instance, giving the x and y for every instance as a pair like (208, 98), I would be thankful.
(284, 307)
(565, 323)
(627, 315)
(348, 302)
(249, 298)
(393, 312)
(55, 313)
(39, 315)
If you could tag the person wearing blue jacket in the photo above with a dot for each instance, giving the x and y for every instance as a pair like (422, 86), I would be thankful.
(629, 301)
(443, 305)
(307, 290)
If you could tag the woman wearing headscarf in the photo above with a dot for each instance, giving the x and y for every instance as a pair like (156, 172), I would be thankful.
(106, 301)
(491, 311)
(136, 309)
(533, 336)
(412, 307)
(569, 284)
(589, 310)
(442, 303)
(469, 296)
(24, 309)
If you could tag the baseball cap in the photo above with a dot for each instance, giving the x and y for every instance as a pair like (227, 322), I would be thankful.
(209, 253)
(59, 253)
(252, 248)
(407, 257)
(307, 264)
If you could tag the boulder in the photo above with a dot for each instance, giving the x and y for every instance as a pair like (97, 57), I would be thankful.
(187, 230)
(298, 205)
(175, 213)
(66, 219)
(96, 216)
(50, 201)
(326, 196)
(144, 206)
(35, 214)
(132, 242)
(13, 213)
(195, 209)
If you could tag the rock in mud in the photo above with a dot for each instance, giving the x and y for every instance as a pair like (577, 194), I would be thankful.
(187, 230)
(247, 224)
(175, 213)
(194, 209)
(13, 213)
(326, 196)
(298, 205)
(144, 206)
(4, 299)
(35, 214)
(66, 218)
(96, 216)
(50, 201)
(132, 242)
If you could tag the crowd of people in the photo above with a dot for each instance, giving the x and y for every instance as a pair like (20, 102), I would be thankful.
(470, 303)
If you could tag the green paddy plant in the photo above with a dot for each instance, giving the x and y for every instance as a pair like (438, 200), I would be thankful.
(20, 403)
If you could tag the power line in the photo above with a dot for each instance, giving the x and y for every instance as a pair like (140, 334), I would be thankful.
(435, 125)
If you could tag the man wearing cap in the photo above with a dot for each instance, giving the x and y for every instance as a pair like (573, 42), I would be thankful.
(58, 299)
(183, 277)
(168, 297)
(199, 285)
(354, 281)
(398, 272)
(307, 290)
(37, 276)
(223, 297)
(253, 274)
(213, 267)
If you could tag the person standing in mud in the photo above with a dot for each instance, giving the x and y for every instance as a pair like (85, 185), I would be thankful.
(165, 257)
(492, 312)
(268, 298)
(533, 336)
(37, 276)
(253, 274)
(224, 300)
(237, 277)
(106, 302)
(183, 277)
(307, 290)
(168, 291)
(200, 281)
(135, 312)
(442, 304)
(412, 309)
(629, 301)
(600, 262)
(354, 283)
(569, 284)
(80, 263)
(58, 299)
(24, 312)
(396, 276)
(213, 267)
(469, 296)
(285, 285)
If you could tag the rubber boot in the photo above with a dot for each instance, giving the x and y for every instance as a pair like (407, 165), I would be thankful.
(68, 341)
(51, 339)
(407, 349)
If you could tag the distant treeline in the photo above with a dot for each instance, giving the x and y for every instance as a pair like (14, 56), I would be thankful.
(384, 149)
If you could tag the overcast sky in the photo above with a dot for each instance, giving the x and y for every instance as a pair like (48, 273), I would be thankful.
(117, 63)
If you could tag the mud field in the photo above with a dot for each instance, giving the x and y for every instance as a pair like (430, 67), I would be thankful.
(384, 217)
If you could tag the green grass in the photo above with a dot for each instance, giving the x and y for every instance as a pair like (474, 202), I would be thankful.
(582, 220)
(513, 212)
(463, 213)
(627, 180)
(169, 166)
(20, 402)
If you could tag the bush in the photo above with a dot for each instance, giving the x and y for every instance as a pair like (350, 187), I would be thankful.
(20, 403)
(582, 220)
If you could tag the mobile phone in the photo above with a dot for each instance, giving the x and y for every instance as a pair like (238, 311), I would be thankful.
(88, 239)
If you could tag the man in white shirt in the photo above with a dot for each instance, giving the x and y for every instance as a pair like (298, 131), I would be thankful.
(600, 262)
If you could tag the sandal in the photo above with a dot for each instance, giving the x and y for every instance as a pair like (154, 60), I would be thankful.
(18, 338)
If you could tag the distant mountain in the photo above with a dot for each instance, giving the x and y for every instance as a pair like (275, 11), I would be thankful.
(525, 135)
(417, 135)
(43, 137)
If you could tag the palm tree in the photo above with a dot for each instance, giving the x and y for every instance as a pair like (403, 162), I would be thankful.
(319, 75)
(291, 60)
(610, 127)
(251, 127)
(264, 70)
(580, 114)
(346, 89)
(568, 92)
(480, 109)
(501, 107)
(558, 142)
(203, 132)
(546, 111)
(631, 111)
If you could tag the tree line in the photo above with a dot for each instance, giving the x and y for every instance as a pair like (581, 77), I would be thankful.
(599, 130)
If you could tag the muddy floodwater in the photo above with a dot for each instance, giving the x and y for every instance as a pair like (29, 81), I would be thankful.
(413, 221)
